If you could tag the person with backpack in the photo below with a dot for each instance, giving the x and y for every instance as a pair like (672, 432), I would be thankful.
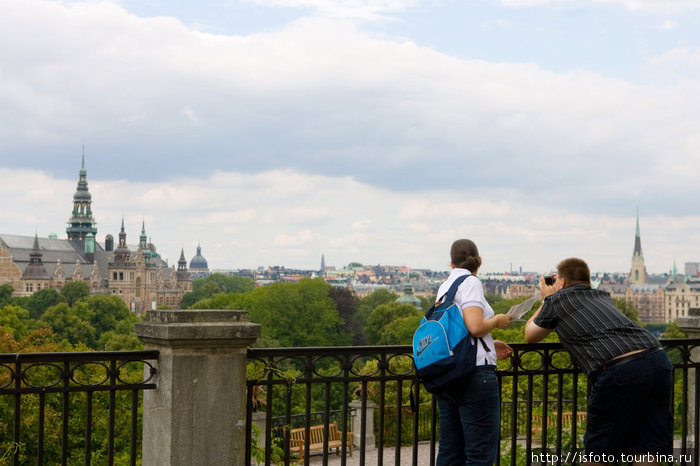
(630, 376)
(470, 406)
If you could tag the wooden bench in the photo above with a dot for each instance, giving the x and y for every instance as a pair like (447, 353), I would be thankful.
(552, 420)
(335, 439)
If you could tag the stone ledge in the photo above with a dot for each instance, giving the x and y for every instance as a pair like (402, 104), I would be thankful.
(217, 328)
(183, 316)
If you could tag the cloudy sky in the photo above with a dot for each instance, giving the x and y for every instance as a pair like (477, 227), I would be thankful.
(377, 131)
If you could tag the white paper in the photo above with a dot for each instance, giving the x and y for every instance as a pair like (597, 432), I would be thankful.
(517, 311)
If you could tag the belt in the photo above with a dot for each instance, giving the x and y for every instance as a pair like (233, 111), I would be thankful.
(630, 357)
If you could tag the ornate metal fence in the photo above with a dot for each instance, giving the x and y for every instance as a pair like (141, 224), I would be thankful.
(73, 407)
(543, 399)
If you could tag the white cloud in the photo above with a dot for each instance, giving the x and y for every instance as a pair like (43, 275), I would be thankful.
(319, 137)
(673, 6)
(678, 56)
(323, 96)
(347, 9)
(669, 25)
(233, 233)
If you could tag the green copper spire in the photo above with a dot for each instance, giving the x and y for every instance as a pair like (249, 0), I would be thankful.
(81, 222)
(143, 239)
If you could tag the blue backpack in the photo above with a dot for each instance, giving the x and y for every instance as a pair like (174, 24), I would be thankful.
(442, 349)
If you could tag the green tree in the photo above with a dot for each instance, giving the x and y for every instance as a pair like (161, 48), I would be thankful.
(108, 312)
(41, 300)
(371, 301)
(627, 308)
(426, 303)
(15, 320)
(70, 323)
(74, 291)
(6, 291)
(674, 331)
(383, 317)
(225, 301)
(216, 283)
(400, 332)
(231, 283)
(298, 314)
(347, 304)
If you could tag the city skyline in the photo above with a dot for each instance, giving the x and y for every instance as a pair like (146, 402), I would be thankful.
(274, 131)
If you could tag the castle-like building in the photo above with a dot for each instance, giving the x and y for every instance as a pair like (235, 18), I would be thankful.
(136, 273)
(657, 298)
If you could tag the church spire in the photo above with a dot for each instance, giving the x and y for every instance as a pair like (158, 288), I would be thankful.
(143, 239)
(638, 272)
(81, 221)
(638, 240)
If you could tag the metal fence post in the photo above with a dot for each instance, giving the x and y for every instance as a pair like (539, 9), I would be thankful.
(691, 326)
(197, 414)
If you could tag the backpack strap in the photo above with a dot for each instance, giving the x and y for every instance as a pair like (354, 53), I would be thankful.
(449, 296)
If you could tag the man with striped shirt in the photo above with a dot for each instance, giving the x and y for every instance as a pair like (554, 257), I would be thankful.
(631, 380)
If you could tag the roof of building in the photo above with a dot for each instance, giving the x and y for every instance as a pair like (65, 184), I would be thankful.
(198, 262)
(67, 252)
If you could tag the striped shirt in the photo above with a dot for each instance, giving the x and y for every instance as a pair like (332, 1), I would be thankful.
(590, 327)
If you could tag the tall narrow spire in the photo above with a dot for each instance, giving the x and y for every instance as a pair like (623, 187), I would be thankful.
(638, 240)
(638, 272)
(143, 239)
(81, 221)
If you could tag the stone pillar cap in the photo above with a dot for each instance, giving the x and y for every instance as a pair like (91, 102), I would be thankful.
(200, 328)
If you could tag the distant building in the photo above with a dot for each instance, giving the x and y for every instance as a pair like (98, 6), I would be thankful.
(681, 294)
(199, 267)
(692, 269)
(408, 297)
(649, 301)
(137, 274)
(521, 290)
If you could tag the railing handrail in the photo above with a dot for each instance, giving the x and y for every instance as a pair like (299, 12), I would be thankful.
(79, 356)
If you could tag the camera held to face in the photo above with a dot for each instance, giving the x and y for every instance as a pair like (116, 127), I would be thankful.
(549, 279)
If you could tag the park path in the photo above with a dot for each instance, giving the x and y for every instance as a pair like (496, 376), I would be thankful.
(406, 457)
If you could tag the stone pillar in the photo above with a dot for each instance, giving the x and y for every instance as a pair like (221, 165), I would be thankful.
(260, 420)
(197, 414)
(369, 423)
(691, 326)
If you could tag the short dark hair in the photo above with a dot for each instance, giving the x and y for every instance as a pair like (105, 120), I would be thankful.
(575, 271)
(465, 255)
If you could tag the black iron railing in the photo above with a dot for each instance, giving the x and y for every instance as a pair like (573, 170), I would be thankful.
(70, 408)
(543, 402)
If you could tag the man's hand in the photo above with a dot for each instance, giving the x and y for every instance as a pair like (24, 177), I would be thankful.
(503, 350)
(547, 290)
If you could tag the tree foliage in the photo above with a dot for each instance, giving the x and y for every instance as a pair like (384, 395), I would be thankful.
(392, 323)
(6, 291)
(41, 300)
(216, 283)
(74, 291)
(347, 304)
(627, 308)
(371, 301)
(298, 314)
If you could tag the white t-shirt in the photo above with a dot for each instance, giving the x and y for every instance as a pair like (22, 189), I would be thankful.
(471, 293)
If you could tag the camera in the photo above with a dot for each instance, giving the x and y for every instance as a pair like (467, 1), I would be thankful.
(549, 280)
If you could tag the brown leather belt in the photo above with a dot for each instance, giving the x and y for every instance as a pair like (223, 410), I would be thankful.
(630, 357)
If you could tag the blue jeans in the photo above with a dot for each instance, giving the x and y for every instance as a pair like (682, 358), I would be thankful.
(629, 407)
(469, 420)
